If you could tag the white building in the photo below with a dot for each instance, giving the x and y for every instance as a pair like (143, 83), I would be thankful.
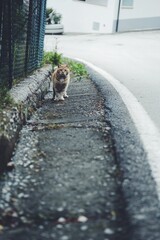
(107, 16)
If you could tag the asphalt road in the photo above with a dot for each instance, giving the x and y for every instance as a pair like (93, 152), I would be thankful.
(130, 63)
(132, 58)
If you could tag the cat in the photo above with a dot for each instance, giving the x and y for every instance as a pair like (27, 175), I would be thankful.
(61, 80)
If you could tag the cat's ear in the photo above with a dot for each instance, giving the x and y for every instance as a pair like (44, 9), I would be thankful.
(63, 65)
(55, 68)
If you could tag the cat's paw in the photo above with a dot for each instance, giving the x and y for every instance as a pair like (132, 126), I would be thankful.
(65, 95)
(59, 99)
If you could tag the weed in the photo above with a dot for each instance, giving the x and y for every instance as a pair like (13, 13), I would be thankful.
(53, 58)
(78, 69)
(5, 98)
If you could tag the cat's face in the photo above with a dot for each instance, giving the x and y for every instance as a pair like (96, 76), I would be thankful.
(62, 73)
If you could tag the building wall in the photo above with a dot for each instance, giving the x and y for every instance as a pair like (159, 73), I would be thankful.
(85, 16)
(145, 14)
(100, 16)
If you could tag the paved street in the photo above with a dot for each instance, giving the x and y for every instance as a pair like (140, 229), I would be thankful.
(132, 58)
(130, 63)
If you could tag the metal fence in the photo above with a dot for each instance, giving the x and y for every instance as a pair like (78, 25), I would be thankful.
(22, 28)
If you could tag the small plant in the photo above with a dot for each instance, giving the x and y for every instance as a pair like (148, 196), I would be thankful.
(5, 98)
(53, 58)
(48, 11)
(57, 18)
(52, 16)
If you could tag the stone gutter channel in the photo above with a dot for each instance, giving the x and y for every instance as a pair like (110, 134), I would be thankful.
(65, 182)
(72, 172)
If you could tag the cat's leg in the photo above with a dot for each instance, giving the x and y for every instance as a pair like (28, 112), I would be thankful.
(65, 95)
(59, 97)
(54, 94)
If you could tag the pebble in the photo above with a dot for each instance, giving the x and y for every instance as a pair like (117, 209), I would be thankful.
(14, 214)
(20, 195)
(64, 238)
(41, 227)
(59, 226)
(24, 219)
(81, 210)
(108, 231)
(82, 219)
(84, 228)
(7, 197)
(101, 158)
(1, 228)
(60, 209)
(61, 220)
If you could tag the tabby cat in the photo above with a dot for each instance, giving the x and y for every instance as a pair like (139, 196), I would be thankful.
(60, 79)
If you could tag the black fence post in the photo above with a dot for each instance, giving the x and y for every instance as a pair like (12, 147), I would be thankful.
(1, 14)
(10, 44)
(29, 29)
(41, 30)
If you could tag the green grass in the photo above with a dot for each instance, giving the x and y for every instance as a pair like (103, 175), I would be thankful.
(78, 69)
(53, 58)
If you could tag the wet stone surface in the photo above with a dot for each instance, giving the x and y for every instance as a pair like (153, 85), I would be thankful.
(65, 184)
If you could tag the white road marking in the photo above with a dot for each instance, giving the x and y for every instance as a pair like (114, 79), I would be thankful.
(149, 133)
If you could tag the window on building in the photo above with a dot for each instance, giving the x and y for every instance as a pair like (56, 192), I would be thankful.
(127, 3)
(95, 2)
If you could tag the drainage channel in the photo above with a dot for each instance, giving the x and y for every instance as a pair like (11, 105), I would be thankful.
(66, 183)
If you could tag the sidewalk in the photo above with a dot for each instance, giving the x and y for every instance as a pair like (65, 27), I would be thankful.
(66, 182)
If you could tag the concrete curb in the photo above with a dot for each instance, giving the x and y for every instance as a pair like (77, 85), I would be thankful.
(27, 96)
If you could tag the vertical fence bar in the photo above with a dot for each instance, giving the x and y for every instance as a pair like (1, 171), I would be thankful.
(1, 14)
(29, 26)
(41, 30)
(4, 43)
(10, 45)
(1, 7)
